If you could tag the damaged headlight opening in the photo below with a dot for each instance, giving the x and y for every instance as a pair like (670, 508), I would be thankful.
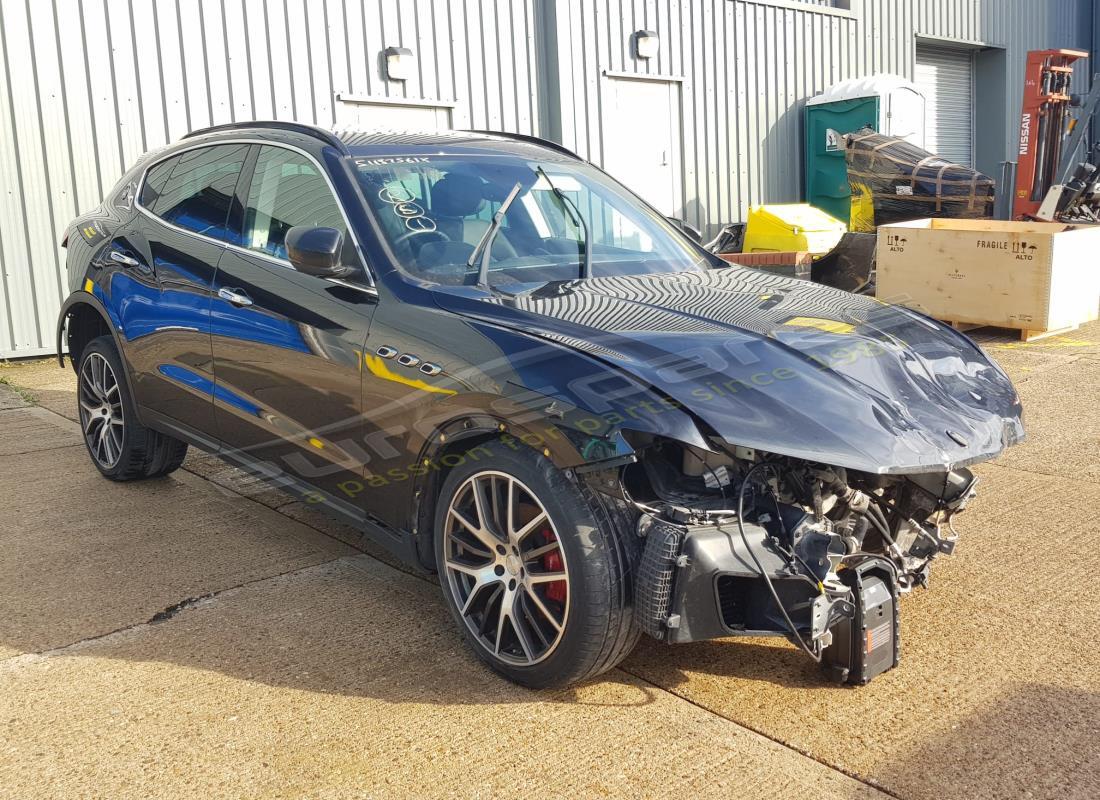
(741, 542)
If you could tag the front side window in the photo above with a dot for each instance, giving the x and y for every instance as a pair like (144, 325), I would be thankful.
(434, 211)
(198, 192)
(287, 190)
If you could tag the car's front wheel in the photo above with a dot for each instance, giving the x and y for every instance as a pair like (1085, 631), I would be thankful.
(121, 447)
(537, 577)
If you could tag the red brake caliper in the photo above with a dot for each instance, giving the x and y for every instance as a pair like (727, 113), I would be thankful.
(551, 562)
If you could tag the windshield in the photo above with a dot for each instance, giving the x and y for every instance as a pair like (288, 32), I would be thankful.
(436, 214)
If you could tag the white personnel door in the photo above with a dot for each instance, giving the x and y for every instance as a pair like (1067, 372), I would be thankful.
(641, 144)
(946, 76)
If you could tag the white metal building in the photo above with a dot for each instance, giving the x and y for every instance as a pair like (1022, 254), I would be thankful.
(705, 125)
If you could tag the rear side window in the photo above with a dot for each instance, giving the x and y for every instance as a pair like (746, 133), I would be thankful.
(155, 179)
(198, 193)
(287, 190)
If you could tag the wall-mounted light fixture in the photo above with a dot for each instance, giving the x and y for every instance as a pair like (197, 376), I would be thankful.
(646, 44)
(400, 63)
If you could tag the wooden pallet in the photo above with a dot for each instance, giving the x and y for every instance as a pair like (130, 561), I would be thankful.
(1026, 334)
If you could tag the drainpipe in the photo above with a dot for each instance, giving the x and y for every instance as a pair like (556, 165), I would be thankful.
(548, 85)
(1094, 67)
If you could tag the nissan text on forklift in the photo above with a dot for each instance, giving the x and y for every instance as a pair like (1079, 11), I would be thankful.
(1051, 186)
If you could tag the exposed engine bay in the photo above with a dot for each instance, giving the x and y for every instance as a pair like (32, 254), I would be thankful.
(745, 542)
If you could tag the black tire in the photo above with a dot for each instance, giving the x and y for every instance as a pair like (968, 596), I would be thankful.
(138, 452)
(598, 629)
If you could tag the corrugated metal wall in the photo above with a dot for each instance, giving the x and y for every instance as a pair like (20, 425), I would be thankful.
(747, 66)
(744, 68)
(88, 85)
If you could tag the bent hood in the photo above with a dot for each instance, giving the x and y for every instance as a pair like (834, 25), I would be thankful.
(782, 365)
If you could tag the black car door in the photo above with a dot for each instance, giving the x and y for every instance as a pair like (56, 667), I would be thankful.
(287, 345)
(164, 262)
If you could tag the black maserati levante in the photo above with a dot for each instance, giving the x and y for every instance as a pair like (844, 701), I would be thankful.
(492, 358)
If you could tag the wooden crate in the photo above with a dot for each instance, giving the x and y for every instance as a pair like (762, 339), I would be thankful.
(1038, 278)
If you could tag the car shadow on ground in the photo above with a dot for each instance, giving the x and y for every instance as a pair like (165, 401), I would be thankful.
(766, 660)
(349, 626)
(309, 663)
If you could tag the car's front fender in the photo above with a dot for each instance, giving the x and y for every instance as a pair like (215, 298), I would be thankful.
(550, 398)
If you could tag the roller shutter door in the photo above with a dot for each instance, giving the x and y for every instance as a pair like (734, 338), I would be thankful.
(946, 76)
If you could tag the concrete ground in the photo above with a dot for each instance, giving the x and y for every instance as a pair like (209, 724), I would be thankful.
(202, 636)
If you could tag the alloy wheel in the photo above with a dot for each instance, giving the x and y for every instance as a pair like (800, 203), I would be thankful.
(505, 568)
(101, 415)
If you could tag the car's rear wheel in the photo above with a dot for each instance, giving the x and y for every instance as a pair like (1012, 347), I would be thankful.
(540, 588)
(121, 447)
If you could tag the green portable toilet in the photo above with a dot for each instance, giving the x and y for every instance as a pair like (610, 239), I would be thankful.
(887, 103)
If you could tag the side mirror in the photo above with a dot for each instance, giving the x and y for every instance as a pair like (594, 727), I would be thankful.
(316, 251)
(692, 232)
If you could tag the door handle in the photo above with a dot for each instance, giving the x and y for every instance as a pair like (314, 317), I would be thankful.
(124, 260)
(235, 296)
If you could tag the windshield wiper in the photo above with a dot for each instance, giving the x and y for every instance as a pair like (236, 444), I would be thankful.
(485, 246)
(575, 213)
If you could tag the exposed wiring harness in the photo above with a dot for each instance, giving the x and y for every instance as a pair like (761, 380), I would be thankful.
(873, 513)
(811, 650)
(877, 518)
(640, 506)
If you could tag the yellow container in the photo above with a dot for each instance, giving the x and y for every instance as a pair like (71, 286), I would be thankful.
(794, 227)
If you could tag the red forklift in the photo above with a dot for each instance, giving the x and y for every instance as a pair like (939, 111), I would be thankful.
(1051, 184)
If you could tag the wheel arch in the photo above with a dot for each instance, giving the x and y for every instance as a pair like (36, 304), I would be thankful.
(82, 318)
(459, 439)
(571, 437)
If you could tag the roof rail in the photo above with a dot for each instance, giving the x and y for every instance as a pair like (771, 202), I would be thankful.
(523, 137)
(297, 127)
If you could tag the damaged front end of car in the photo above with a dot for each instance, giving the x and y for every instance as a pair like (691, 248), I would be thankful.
(791, 456)
(743, 542)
